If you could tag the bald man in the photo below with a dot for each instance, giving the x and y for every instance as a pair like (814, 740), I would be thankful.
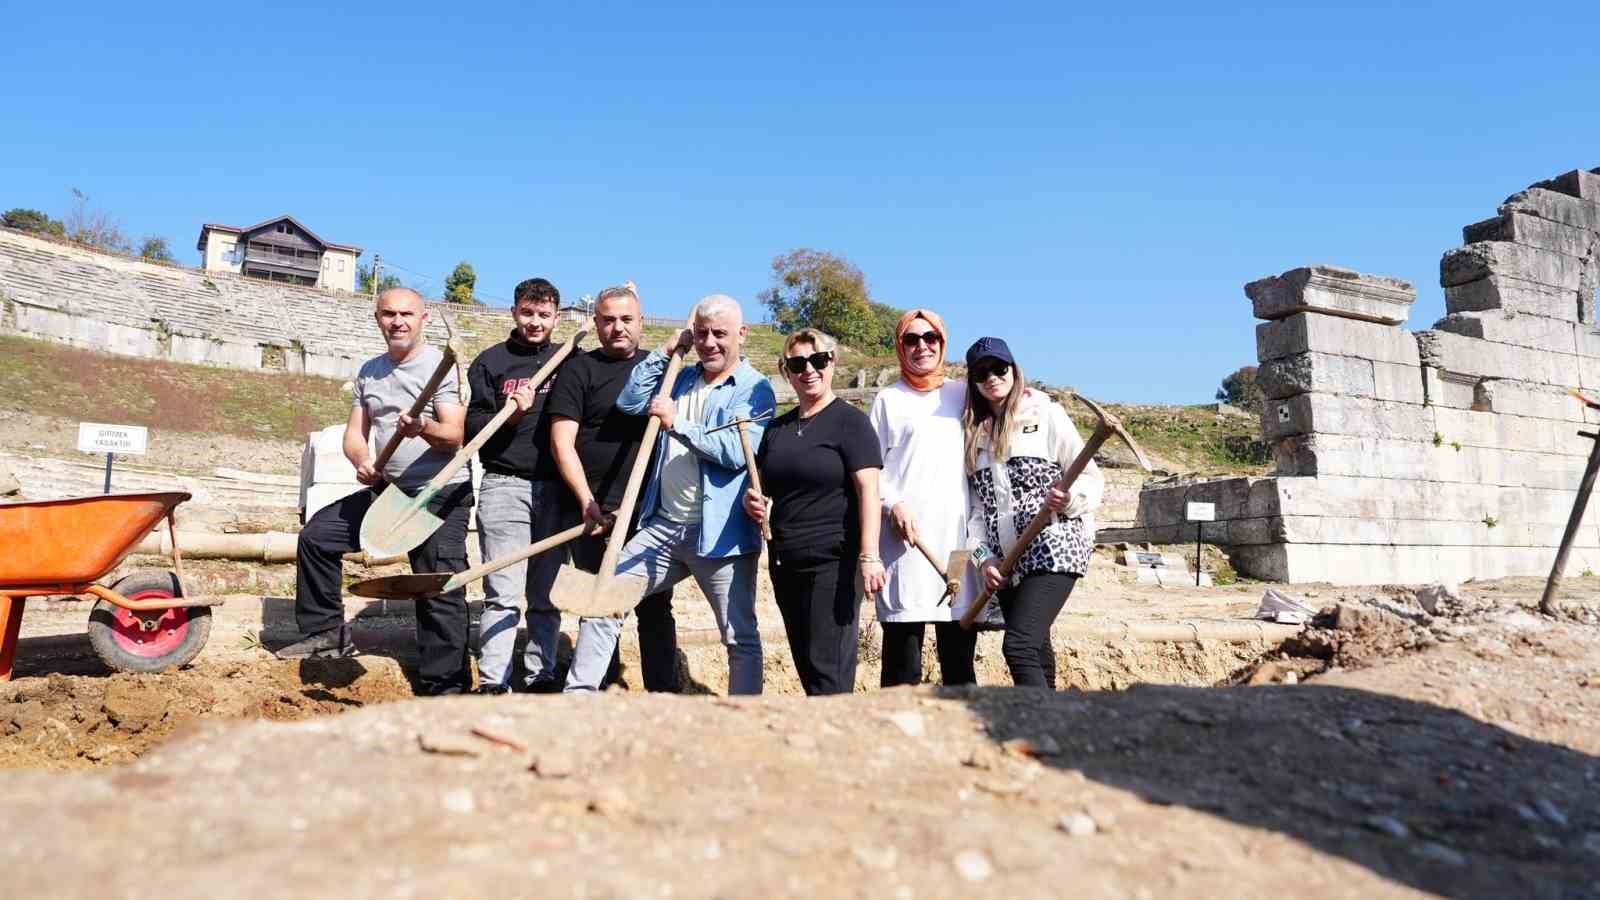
(385, 388)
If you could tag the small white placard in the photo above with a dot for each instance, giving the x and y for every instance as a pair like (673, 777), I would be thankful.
(129, 440)
(1202, 512)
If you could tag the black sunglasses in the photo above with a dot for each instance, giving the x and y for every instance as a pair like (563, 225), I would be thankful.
(912, 338)
(981, 371)
(819, 361)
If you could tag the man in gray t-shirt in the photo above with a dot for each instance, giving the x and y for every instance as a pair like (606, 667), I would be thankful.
(386, 387)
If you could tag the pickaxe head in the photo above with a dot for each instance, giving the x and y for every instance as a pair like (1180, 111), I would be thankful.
(1110, 425)
(452, 341)
(737, 422)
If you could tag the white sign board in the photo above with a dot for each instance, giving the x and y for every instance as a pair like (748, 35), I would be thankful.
(1202, 512)
(129, 440)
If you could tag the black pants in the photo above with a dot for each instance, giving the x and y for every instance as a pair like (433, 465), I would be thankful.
(441, 621)
(658, 630)
(1031, 608)
(821, 615)
(902, 653)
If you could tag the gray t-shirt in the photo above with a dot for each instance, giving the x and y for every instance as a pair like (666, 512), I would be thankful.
(388, 389)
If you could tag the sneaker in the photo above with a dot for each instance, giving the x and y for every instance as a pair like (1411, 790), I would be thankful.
(335, 643)
(542, 686)
(492, 690)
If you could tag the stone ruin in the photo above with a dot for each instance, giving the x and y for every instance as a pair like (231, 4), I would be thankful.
(1451, 453)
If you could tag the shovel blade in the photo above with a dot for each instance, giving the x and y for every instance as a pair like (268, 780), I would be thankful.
(602, 596)
(395, 523)
(401, 587)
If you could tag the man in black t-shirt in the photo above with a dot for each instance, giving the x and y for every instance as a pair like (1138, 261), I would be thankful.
(594, 445)
(519, 497)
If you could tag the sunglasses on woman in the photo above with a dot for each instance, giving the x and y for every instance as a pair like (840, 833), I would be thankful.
(982, 371)
(819, 361)
(912, 338)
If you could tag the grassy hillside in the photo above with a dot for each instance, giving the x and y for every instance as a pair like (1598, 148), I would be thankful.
(50, 379)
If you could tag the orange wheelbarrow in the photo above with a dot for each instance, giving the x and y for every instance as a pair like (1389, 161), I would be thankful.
(144, 622)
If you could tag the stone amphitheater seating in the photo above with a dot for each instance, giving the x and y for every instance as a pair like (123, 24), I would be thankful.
(105, 302)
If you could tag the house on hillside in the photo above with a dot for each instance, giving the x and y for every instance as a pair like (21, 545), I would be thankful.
(279, 249)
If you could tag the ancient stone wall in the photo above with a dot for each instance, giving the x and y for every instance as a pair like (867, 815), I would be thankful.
(1447, 453)
(128, 306)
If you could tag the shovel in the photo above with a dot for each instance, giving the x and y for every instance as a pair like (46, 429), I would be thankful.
(1108, 426)
(610, 596)
(427, 584)
(397, 522)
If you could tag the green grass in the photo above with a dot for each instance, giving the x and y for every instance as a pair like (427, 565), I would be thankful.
(1193, 438)
(50, 379)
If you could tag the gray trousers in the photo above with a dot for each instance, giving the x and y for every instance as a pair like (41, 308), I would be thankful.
(662, 554)
(513, 513)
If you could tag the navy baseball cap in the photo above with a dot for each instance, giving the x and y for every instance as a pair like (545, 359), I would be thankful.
(990, 347)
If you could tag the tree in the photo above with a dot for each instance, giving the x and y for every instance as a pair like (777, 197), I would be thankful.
(155, 248)
(458, 286)
(32, 220)
(94, 227)
(364, 279)
(816, 289)
(1240, 389)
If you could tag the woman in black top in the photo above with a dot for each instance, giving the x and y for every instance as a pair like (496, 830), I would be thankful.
(819, 463)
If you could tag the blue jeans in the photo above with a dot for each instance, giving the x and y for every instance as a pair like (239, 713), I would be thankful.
(662, 554)
(513, 513)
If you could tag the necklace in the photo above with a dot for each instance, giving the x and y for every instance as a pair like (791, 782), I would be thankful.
(801, 422)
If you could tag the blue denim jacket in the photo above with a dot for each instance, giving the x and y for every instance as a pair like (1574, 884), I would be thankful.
(725, 529)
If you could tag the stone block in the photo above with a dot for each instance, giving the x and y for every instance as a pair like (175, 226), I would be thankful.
(1410, 564)
(1332, 290)
(1478, 261)
(1442, 388)
(1554, 206)
(1313, 333)
(1511, 327)
(1359, 416)
(1399, 383)
(1533, 231)
(1524, 398)
(1514, 294)
(1489, 359)
(1585, 185)
(1321, 372)
(1337, 454)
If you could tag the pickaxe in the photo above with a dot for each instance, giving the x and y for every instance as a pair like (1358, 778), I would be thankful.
(750, 464)
(1108, 425)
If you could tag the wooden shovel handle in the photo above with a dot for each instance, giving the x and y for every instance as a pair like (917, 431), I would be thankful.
(755, 477)
(495, 565)
(428, 390)
(1040, 521)
(630, 496)
(478, 440)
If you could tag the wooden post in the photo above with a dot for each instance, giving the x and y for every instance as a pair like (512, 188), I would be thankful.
(1548, 604)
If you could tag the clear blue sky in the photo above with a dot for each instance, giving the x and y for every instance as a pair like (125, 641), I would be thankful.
(1094, 186)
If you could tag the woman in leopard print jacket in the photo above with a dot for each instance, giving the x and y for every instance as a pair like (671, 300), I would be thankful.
(1018, 444)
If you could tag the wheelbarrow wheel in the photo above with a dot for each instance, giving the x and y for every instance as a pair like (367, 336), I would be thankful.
(152, 641)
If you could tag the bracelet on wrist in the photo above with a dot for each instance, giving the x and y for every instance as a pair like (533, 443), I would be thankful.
(868, 557)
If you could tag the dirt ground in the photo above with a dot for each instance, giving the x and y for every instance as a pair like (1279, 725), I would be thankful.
(1382, 751)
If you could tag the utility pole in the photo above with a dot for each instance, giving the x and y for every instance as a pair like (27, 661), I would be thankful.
(377, 262)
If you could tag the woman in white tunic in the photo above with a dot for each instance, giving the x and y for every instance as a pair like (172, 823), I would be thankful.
(924, 493)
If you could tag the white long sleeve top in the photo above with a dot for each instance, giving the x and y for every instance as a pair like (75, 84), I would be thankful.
(920, 435)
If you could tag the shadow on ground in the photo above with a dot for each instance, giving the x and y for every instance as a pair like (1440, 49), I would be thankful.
(1419, 794)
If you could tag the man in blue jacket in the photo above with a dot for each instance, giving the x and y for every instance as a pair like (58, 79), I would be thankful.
(692, 521)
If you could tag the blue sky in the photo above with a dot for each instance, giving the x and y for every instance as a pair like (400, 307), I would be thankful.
(1094, 185)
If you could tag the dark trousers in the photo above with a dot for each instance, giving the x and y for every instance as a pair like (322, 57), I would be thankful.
(1031, 608)
(441, 620)
(821, 616)
(902, 653)
(658, 630)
